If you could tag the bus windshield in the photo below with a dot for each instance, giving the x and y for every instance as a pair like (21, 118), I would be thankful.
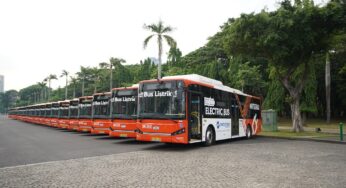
(85, 109)
(162, 100)
(101, 107)
(73, 109)
(124, 104)
(55, 110)
(64, 112)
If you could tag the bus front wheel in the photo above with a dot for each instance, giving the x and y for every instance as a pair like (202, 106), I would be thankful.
(248, 132)
(209, 137)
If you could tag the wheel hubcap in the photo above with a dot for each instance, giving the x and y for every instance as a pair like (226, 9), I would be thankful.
(209, 136)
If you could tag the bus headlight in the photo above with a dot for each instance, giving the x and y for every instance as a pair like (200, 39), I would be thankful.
(138, 131)
(180, 131)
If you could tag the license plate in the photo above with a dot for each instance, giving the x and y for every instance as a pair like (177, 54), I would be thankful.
(156, 139)
(123, 135)
(101, 132)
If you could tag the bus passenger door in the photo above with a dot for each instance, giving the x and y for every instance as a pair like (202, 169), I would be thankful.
(195, 116)
(235, 117)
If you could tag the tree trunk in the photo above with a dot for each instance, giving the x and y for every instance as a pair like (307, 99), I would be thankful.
(327, 77)
(304, 114)
(74, 90)
(159, 41)
(111, 79)
(83, 87)
(48, 89)
(296, 116)
(66, 89)
(295, 94)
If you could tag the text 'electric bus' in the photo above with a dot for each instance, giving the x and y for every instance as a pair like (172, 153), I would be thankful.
(124, 112)
(192, 108)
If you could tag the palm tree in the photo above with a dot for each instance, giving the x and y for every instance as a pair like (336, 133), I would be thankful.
(160, 31)
(113, 63)
(49, 79)
(65, 73)
(174, 56)
(105, 65)
(95, 77)
(74, 83)
(42, 86)
(82, 76)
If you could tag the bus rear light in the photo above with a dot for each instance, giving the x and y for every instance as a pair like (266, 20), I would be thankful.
(180, 131)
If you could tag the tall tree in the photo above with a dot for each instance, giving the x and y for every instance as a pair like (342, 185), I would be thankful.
(83, 75)
(174, 56)
(74, 83)
(114, 62)
(336, 45)
(327, 79)
(43, 87)
(288, 38)
(65, 73)
(49, 79)
(159, 30)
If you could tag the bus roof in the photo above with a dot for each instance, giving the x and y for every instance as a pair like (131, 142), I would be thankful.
(134, 86)
(86, 97)
(104, 93)
(205, 80)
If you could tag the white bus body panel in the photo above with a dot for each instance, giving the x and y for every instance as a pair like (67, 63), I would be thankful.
(222, 127)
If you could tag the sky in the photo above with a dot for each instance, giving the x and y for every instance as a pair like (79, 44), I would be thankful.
(42, 37)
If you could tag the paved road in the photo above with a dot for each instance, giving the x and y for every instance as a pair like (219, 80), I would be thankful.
(24, 143)
(259, 162)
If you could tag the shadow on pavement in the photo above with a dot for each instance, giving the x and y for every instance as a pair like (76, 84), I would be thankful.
(109, 138)
(133, 141)
(65, 130)
(93, 135)
(175, 147)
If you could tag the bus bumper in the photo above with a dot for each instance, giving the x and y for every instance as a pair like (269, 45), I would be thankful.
(122, 133)
(161, 138)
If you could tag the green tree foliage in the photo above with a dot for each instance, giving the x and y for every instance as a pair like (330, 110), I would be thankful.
(174, 56)
(8, 100)
(287, 38)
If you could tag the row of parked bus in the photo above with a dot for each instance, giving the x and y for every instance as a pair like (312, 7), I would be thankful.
(175, 109)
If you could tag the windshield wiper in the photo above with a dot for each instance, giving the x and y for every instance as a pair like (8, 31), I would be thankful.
(162, 116)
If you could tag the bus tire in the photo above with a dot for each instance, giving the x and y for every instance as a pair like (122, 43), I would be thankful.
(209, 136)
(248, 132)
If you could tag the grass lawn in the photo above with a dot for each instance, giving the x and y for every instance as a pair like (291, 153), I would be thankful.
(289, 134)
(313, 123)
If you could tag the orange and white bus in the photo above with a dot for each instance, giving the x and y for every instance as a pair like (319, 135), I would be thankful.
(47, 114)
(41, 113)
(124, 111)
(54, 118)
(101, 113)
(73, 115)
(64, 114)
(85, 120)
(193, 108)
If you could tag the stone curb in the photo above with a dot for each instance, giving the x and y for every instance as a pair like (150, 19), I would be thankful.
(305, 139)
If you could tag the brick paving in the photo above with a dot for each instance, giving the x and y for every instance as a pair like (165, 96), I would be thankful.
(259, 162)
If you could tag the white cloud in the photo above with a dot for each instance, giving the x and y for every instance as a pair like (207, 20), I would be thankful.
(39, 38)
